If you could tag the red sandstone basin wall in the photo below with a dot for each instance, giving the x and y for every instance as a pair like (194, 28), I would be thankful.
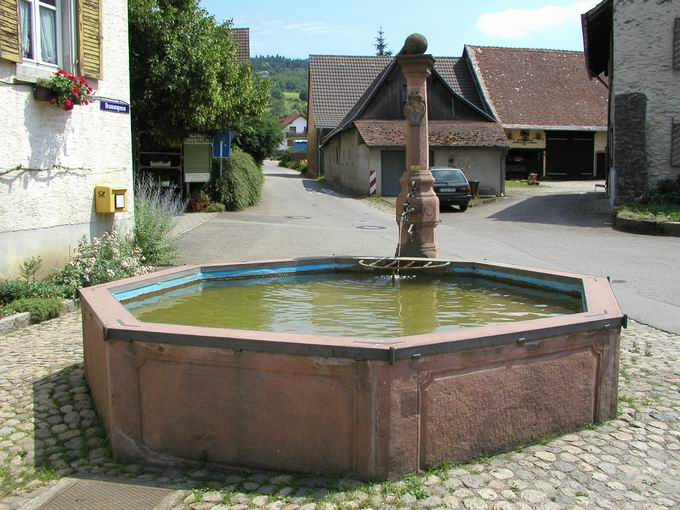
(164, 403)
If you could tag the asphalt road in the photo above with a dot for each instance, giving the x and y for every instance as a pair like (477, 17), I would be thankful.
(563, 227)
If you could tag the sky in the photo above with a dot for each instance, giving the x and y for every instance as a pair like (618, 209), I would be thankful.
(348, 27)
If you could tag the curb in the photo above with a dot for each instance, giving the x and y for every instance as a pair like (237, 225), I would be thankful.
(23, 319)
(204, 218)
(647, 227)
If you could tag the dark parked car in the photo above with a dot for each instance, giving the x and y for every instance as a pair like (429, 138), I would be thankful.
(452, 187)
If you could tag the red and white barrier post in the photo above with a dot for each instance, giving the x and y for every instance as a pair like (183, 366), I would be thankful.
(372, 182)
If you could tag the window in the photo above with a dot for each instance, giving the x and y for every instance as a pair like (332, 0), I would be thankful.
(41, 31)
(292, 130)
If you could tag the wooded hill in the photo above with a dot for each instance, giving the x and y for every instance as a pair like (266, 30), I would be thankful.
(289, 75)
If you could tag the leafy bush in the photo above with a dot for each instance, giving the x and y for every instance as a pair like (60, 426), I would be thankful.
(12, 290)
(260, 136)
(215, 207)
(155, 211)
(666, 192)
(285, 157)
(109, 257)
(660, 204)
(41, 309)
(241, 182)
(30, 267)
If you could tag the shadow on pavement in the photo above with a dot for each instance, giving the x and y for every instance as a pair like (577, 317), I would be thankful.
(270, 173)
(570, 209)
(321, 187)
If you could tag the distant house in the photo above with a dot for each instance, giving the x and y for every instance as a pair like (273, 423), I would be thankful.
(554, 115)
(296, 131)
(51, 160)
(356, 106)
(637, 46)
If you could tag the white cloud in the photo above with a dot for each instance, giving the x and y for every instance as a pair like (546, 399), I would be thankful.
(517, 23)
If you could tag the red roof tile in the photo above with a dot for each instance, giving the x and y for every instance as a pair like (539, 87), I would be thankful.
(536, 87)
(443, 133)
(287, 120)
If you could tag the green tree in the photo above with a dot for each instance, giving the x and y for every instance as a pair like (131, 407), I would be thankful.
(184, 72)
(381, 44)
(260, 136)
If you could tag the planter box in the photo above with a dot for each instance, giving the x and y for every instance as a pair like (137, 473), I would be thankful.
(41, 93)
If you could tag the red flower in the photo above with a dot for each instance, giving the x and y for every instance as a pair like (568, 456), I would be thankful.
(61, 72)
(53, 100)
(85, 101)
(76, 91)
(89, 90)
(68, 104)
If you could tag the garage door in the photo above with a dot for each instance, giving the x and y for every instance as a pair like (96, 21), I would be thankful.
(392, 166)
(569, 154)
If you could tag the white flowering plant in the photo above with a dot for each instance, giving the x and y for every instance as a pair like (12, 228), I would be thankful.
(109, 257)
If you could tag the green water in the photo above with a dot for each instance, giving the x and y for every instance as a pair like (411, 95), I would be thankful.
(351, 304)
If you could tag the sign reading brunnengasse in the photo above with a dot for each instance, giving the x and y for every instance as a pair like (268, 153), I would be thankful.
(114, 106)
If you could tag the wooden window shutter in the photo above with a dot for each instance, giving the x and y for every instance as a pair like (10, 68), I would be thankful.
(90, 38)
(675, 144)
(676, 44)
(10, 41)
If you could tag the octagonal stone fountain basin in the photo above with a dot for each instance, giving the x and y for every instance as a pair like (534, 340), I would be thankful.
(374, 407)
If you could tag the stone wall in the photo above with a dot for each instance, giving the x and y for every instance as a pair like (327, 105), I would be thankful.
(51, 160)
(643, 63)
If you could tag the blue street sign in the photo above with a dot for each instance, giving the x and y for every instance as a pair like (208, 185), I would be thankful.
(114, 106)
(222, 144)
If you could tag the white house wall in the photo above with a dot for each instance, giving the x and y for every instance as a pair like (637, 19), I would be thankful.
(50, 160)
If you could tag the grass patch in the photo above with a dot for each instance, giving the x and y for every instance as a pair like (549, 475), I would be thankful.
(650, 212)
(10, 486)
(379, 203)
(41, 309)
(523, 183)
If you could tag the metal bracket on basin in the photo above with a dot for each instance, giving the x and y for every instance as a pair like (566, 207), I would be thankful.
(410, 264)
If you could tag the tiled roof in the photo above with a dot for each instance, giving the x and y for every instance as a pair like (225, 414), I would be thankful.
(442, 133)
(241, 37)
(338, 81)
(287, 120)
(536, 87)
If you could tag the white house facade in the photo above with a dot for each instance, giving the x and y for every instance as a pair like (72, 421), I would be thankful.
(296, 129)
(51, 160)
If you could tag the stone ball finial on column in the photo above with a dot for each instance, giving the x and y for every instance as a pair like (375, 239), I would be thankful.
(416, 44)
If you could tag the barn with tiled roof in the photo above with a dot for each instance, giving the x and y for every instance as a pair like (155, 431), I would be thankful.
(357, 125)
(554, 114)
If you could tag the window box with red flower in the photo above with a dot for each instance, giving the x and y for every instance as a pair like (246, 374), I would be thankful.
(64, 90)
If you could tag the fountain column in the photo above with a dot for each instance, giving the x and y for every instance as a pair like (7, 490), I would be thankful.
(417, 197)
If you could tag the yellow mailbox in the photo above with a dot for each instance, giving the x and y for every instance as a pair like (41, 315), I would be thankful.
(110, 200)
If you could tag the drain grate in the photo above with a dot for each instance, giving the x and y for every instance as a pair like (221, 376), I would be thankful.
(91, 494)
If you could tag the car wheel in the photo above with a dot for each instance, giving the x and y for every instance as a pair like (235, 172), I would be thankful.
(463, 207)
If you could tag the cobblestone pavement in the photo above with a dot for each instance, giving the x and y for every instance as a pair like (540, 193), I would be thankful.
(49, 429)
